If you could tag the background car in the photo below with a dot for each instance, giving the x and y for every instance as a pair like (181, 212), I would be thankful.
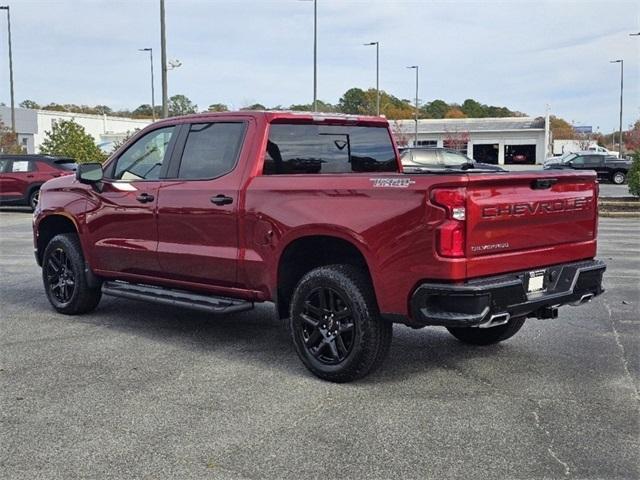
(441, 158)
(607, 167)
(22, 175)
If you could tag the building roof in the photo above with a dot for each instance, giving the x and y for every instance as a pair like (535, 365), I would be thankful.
(474, 124)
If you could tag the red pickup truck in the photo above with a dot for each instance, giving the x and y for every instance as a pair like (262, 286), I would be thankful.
(315, 213)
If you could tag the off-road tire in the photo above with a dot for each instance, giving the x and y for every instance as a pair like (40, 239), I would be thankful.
(79, 297)
(370, 338)
(488, 336)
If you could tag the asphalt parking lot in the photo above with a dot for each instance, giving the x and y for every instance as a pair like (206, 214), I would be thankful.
(143, 391)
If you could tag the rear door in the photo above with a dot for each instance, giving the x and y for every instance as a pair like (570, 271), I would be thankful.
(20, 173)
(121, 217)
(198, 207)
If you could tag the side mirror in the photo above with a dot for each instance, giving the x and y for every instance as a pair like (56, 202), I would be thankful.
(89, 173)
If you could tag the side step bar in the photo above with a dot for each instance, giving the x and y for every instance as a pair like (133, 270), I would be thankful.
(178, 298)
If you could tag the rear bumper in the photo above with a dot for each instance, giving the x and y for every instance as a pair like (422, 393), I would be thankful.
(491, 301)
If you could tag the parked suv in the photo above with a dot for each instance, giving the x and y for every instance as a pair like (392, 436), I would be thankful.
(314, 213)
(22, 175)
(607, 167)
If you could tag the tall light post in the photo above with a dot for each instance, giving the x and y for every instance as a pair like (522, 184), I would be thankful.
(315, 53)
(416, 68)
(621, 62)
(13, 105)
(153, 96)
(377, 44)
(163, 59)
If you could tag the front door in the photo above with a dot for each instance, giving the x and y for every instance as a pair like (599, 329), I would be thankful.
(198, 208)
(16, 177)
(121, 218)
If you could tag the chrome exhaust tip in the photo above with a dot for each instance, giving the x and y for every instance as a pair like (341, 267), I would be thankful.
(495, 320)
(583, 299)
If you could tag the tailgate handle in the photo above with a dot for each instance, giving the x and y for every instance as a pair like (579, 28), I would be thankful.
(542, 183)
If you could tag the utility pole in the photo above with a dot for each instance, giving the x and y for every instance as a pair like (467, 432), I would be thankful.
(153, 96)
(620, 139)
(416, 68)
(547, 133)
(163, 59)
(13, 104)
(377, 44)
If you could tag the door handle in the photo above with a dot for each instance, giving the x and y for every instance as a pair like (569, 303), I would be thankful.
(221, 200)
(145, 197)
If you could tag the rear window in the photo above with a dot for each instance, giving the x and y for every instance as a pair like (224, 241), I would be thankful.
(66, 164)
(305, 149)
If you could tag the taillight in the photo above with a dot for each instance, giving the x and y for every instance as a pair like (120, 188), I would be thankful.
(450, 235)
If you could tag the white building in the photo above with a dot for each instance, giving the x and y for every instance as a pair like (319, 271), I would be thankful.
(503, 141)
(32, 125)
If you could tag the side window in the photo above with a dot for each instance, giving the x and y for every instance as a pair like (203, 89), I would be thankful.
(4, 165)
(578, 161)
(22, 166)
(143, 160)
(308, 149)
(211, 150)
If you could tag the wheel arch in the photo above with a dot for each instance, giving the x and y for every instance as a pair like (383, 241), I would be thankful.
(307, 252)
(49, 227)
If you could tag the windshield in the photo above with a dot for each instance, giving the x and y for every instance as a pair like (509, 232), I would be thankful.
(568, 157)
(434, 158)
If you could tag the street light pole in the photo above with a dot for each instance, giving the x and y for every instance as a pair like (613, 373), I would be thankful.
(417, 68)
(13, 105)
(163, 59)
(620, 139)
(377, 44)
(315, 55)
(153, 96)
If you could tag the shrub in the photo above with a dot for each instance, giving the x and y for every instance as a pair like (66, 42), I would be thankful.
(634, 175)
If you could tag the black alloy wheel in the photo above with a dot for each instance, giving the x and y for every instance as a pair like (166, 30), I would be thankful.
(335, 324)
(65, 279)
(328, 330)
(60, 277)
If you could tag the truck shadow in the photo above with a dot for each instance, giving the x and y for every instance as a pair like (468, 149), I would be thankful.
(259, 337)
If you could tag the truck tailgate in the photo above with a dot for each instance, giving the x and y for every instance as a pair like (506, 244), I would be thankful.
(529, 212)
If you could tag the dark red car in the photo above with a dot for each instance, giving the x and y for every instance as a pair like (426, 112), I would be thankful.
(314, 213)
(21, 176)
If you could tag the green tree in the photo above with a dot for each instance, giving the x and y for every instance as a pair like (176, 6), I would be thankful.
(354, 101)
(29, 104)
(308, 107)
(102, 110)
(69, 139)
(181, 105)
(255, 106)
(435, 109)
(473, 109)
(218, 107)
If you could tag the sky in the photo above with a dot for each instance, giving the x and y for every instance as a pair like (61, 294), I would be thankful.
(520, 54)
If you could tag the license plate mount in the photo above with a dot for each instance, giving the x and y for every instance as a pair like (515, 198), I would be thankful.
(536, 281)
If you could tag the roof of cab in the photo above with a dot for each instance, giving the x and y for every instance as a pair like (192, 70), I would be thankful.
(271, 115)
